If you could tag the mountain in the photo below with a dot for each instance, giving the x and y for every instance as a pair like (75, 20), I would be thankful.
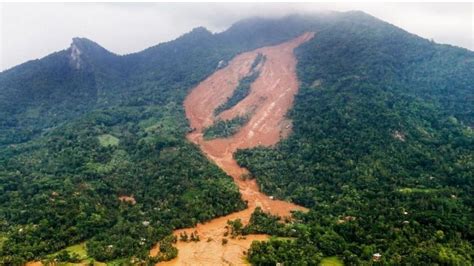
(43, 93)
(93, 147)
(381, 150)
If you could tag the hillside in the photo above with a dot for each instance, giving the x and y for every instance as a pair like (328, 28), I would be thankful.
(381, 150)
(93, 147)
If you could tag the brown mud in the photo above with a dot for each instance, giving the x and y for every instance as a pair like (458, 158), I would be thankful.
(270, 97)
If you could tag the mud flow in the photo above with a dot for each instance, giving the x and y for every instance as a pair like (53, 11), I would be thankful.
(270, 97)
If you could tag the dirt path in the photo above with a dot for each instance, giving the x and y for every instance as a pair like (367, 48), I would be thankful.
(270, 97)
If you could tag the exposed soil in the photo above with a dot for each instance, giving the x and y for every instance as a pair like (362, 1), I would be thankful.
(129, 199)
(34, 263)
(270, 97)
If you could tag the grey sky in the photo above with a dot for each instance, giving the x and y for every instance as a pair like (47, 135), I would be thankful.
(30, 31)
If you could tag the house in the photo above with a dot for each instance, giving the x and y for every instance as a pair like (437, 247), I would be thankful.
(346, 219)
(376, 257)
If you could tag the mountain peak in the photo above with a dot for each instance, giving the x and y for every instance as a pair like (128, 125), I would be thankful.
(201, 30)
(80, 39)
(84, 42)
(82, 49)
(197, 32)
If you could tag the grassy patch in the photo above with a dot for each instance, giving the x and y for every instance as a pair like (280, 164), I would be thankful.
(118, 262)
(417, 190)
(79, 249)
(285, 238)
(108, 140)
(331, 261)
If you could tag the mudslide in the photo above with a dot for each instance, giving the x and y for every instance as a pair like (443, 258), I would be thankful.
(270, 97)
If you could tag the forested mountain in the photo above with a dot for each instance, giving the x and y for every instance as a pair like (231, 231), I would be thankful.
(43, 93)
(382, 149)
(83, 127)
(92, 146)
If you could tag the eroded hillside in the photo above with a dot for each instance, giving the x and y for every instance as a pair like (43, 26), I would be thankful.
(270, 97)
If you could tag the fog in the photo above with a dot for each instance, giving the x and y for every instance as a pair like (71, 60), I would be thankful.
(30, 31)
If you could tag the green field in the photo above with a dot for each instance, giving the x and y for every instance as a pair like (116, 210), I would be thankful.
(108, 140)
(79, 249)
(331, 261)
(417, 190)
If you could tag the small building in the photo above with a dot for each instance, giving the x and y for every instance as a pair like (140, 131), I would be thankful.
(346, 219)
(376, 257)
(349, 218)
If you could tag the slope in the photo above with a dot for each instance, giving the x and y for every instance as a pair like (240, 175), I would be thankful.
(63, 183)
(381, 149)
(277, 85)
(382, 126)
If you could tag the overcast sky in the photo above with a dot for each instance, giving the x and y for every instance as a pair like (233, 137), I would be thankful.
(30, 31)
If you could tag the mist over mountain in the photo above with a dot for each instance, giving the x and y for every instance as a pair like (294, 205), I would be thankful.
(381, 148)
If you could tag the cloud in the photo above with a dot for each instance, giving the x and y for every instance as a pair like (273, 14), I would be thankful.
(30, 31)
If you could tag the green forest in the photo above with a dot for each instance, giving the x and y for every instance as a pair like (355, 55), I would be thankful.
(225, 128)
(381, 151)
(75, 141)
(65, 188)
(95, 166)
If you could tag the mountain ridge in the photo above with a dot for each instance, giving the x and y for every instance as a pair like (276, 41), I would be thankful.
(242, 23)
(380, 148)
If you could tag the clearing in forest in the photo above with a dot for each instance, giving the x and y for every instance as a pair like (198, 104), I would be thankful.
(107, 140)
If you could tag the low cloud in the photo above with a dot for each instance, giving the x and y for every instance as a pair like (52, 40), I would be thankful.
(30, 31)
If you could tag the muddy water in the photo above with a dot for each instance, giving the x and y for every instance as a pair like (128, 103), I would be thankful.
(270, 97)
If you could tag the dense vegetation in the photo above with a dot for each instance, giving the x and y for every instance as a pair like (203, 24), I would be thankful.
(65, 188)
(92, 149)
(225, 128)
(381, 152)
